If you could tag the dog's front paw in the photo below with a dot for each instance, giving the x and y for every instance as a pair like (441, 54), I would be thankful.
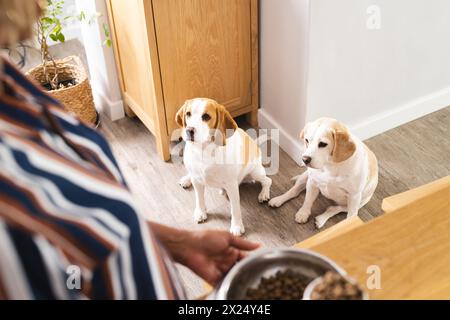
(199, 215)
(320, 221)
(237, 229)
(264, 195)
(276, 202)
(185, 182)
(302, 216)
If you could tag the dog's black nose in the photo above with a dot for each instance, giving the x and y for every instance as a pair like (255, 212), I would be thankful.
(190, 133)
(306, 160)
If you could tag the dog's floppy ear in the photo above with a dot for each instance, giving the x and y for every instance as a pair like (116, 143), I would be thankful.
(302, 134)
(181, 115)
(344, 147)
(303, 144)
(224, 121)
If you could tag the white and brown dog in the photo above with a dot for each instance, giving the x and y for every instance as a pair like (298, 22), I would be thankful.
(213, 160)
(339, 165)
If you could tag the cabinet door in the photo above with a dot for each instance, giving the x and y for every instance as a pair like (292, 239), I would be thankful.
(205, 50)
(129, 23)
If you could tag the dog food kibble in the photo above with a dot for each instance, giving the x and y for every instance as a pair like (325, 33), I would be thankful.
(284, 285)
(335, 287)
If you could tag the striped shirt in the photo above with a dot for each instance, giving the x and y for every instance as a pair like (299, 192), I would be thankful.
(68, 225)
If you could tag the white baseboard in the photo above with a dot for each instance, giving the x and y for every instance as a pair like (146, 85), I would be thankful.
(113, 109)
(290, 144)
(397, 116)
(372, 126)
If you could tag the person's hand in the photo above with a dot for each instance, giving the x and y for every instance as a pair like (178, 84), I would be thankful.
(211, 254)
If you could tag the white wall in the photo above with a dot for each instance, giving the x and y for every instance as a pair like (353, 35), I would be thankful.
(104, 79)
(372, 80)
(283, 61)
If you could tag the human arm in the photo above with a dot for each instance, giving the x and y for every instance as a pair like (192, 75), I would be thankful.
(210, 253)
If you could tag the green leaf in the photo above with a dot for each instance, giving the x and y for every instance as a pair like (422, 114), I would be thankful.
(54, 37)
(47, 20)
(82, 16)
(106, 30)
(107, 42)
(61, 37)
(56, 29)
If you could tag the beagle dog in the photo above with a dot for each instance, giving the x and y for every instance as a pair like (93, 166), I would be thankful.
(213, 160)
(339, 165)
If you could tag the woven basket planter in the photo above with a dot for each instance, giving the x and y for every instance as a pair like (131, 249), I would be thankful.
(77, 98)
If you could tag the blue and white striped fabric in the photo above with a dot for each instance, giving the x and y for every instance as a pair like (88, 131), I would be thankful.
(66, 213)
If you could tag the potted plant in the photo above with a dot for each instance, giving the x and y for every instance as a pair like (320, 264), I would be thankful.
(65, 79)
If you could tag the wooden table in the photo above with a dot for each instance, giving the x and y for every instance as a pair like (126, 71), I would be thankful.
(410, 244)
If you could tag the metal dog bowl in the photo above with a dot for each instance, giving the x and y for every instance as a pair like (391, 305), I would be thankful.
(264, 263)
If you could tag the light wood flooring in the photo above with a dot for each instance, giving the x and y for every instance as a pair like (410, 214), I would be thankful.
(410, 155)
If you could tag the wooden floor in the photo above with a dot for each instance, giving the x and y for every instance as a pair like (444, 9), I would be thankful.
(409, 156)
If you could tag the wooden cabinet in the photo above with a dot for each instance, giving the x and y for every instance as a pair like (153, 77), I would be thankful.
(168, 51)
